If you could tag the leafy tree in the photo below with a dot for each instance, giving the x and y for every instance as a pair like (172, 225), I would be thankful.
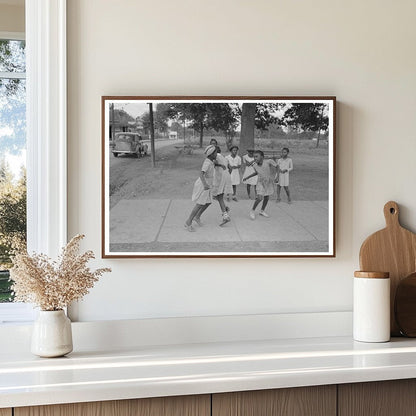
(121, 117)
(202, 116)
(224, 117)
(12, 56)
(12, 213)
(12, 140)
(307, 117)
(12, 224)
(175, 126)
(12, 59)
(159, 120)
(194, 113)
(197, 113)
(12, 98)
(266, 115)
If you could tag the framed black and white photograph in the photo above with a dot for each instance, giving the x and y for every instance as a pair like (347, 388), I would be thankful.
(218, 176)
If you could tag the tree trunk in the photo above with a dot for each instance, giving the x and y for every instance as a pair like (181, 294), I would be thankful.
(318, 138)
(201, 134)
(320, 126)
(228, 140)
(247, 127)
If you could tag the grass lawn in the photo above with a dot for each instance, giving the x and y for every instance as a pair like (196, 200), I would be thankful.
(175, 173)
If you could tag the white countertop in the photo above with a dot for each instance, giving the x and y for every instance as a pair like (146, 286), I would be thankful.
(148, 371)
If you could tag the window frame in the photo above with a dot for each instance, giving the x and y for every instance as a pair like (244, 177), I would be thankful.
(46, 125)
(12, 36)
(46, 136)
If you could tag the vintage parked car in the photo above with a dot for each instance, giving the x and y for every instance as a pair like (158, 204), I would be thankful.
(129, 143)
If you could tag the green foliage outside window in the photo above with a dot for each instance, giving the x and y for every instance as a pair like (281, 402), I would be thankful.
(12, 145)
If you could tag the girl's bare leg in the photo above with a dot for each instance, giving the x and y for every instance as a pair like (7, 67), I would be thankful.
(256, 202)
(201, 210)
(225, 217)
(278, 193)
(234, 192)
(220, 199)
(288, 194)
(249, 191)
(265, 201)
(193, 214)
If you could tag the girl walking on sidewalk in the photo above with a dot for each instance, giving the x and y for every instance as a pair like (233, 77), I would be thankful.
(222, 184)
(248, 160)
(265, 185)
(202, 194)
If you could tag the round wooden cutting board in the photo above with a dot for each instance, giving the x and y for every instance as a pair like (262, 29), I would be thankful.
(393, 250)
(405, 306)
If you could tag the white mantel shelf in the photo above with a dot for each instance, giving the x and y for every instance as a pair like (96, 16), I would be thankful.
(169, 370)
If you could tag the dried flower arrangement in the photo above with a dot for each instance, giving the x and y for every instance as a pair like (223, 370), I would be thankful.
(53, 285)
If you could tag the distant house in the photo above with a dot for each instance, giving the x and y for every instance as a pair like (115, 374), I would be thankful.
(173, 135)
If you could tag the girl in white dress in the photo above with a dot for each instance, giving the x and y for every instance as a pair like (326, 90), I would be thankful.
(248, 161)
(202, 194)
(263, 169)
(285, 165)
(234, 163)
(222, 184)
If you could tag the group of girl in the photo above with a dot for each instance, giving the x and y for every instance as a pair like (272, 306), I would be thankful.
(220, 176)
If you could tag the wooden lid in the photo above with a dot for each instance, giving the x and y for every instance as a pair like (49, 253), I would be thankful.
(372, 275)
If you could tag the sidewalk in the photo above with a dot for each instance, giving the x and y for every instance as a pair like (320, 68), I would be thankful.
(162, 220)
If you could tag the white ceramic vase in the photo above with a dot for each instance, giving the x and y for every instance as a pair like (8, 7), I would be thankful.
(52, 334)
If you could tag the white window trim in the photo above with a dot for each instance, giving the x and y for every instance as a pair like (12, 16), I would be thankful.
(12, 35)
(46, 133)
(46, 125)
(13, 75)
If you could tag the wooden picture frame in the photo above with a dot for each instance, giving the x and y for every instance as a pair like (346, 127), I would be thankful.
(153, 148)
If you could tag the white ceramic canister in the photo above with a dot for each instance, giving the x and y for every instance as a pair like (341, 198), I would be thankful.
(371, 322)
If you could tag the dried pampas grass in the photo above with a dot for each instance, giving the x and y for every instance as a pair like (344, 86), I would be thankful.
(53, 285)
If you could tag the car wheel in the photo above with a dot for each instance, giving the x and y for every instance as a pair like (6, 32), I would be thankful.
(115, 154)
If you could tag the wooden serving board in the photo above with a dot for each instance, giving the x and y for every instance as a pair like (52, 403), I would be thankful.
(393, 250)
(405, 306)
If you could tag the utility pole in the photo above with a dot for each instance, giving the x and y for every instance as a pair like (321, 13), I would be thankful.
(152, 135)
(112, 122)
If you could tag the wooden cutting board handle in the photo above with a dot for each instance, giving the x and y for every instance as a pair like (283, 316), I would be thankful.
(391, 214)
(393, 250)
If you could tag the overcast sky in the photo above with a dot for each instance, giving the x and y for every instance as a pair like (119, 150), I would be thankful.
(134, 109)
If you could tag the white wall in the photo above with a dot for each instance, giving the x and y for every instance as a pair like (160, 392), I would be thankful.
(361, 51)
